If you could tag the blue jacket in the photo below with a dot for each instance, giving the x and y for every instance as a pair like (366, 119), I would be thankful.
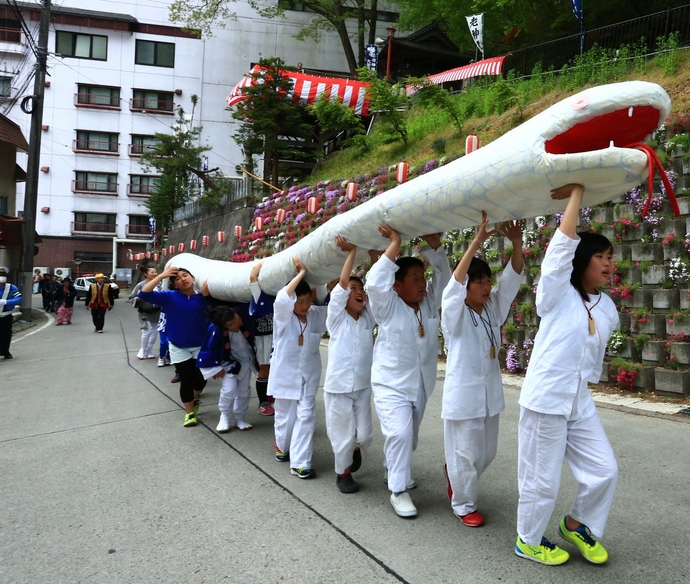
(215, 348)
(186, 319)
(13, 298)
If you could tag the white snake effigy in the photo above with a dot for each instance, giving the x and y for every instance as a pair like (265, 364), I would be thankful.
(581, 139)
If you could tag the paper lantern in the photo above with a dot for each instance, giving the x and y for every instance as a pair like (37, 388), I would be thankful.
(221, 235)
(171, 249)
(401, 172)
(204, 241)
(312, 205)
(192, 245)
(148, 255)
(180, 246)
(259, 223)
(280, 215)
(471, 143)
(351, 191)
(238, 231)
(164, 251)
(156, 256)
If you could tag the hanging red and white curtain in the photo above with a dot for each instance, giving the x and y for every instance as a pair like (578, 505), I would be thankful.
(306, 89)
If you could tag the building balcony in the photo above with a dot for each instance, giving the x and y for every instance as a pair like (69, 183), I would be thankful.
(96, 147)
(143, 231)
(94, 187)
(96, 101)
(11, 42)
(154, 106)
(138, 190)
(102, 229)
(136, 150)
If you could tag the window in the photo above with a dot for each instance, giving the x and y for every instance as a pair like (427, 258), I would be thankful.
(161, 101)
(10, 31)
(143, 184)
(81, 46)
(139, 225)
(98, 142)
(5, 87)
(142, 143)
(98, 96)
(4, 205)
(154, 53)
(95, 182)
(89, 256)
(94, 223)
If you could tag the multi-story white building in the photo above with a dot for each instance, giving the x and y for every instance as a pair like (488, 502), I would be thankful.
(117, 73)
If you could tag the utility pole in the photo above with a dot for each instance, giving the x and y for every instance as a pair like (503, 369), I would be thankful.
(33, 165)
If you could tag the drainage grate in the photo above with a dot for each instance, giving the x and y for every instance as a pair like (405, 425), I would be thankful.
(685, 411)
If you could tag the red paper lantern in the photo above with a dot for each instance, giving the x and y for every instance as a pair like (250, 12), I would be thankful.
(280, 215)
(471, 143)
(221, 236)
(192, 245)
(401, 172)
(164, 251)
(204, 241)
(312, 205)
(238, 231)
(171, 249)
(351, 191)
(156, 256)
(148, 255)
(259, 223)
(180, 246)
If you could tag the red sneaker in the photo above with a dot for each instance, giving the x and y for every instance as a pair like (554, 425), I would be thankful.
(474, 519)
(266, 409)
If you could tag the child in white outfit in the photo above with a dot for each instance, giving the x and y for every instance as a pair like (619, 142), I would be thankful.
(347, 389)
(403, 375)
(471, 316)
(296, 372)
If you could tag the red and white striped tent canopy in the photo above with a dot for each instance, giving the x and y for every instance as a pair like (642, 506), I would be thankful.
(493, 66)
(306, 89)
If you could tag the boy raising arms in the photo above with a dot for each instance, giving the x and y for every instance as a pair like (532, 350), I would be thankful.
(403, 375)
(472, 315)
(347, 389)
(296, 367)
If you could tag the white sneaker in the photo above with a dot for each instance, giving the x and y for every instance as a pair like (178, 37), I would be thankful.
(411, 485)
(224, 423)
(166, 360)
(242, 425)
(403, 505)
(161, 362)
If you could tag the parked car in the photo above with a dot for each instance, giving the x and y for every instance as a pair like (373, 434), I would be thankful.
(82, 284)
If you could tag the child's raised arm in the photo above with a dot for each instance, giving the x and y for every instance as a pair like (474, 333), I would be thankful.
(569, 221)
(301, 272)
(481, 236)
(351, 251)
(394, 246)
(513, 231)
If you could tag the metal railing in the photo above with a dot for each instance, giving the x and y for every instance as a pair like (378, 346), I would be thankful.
(195, 208)
(139, 149)
(95, 146)
(10, 35)
(138, 230)
(641, 34)
(92, 186)
(153, 105)
(108, 229)
(141, 190)
(96, 100)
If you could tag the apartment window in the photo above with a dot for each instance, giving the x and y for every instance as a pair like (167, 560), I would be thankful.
(142, 143)
(5, 87)
(97, 142)
(94, 223)
(95, 182)
(139, 225)
(98, 96)
(81, 46)
(161, 101)
(143, 184)
(4, 205)
(155, 53)
(10, 31)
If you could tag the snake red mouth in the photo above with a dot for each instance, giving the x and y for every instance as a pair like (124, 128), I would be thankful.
(619, 128)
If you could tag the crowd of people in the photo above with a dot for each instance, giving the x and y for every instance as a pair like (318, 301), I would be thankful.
(383, 336)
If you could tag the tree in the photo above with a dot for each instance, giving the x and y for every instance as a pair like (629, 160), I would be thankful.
(329, 15)
(388, 100)
(177, 158)
(335, 116)
(270, 124)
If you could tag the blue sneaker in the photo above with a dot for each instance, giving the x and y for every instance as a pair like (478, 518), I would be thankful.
(303, 472)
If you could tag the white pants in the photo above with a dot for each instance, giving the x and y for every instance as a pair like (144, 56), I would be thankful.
(235, 393)
(400, 420)
(470, 447)
(348, 422)
(293, 424)
(544, 440)
(148, 339)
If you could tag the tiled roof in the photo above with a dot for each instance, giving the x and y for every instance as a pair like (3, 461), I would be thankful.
(10, 133)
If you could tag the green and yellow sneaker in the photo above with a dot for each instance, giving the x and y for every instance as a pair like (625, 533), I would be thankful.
(190, 420)
(546, 553)
(197, 403)
(582, 538)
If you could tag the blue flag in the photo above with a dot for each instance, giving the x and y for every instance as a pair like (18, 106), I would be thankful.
(577, 9)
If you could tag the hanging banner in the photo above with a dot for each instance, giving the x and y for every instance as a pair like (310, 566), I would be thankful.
(577, 9)
(476, 24)
(371, 57)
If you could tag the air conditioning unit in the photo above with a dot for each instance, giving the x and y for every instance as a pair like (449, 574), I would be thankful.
(62, 273)
(42, 270)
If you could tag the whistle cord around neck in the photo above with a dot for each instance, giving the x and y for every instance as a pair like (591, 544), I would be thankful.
(488, 328)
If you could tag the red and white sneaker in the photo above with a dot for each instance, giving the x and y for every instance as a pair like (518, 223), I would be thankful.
(266, 409)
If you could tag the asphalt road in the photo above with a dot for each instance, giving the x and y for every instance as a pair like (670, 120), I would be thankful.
(101, 483)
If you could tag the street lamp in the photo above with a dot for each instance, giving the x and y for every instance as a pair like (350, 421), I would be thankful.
(391, 34)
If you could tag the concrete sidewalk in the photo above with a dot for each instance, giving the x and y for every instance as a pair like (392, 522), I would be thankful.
(102, 483)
